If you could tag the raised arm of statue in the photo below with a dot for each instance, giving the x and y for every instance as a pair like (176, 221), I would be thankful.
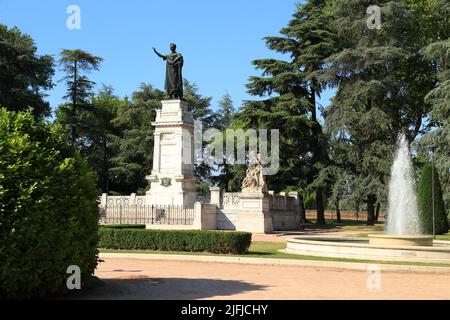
(159, 54)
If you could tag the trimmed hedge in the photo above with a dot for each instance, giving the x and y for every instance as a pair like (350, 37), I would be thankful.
(175, 240)
(425, 202)
(48, 208)
(124, 226)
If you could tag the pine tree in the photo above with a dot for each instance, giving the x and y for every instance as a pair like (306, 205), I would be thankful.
(291, 88)
(225, 112)
(381, 81)
(79, 87)
(223, 120)
(439, 53)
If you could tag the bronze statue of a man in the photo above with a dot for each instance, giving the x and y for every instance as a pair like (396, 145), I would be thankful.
(174, 78)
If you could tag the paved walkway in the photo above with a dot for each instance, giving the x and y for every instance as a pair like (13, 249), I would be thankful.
(147, 279)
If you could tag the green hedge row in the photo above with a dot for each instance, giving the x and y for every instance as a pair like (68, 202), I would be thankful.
(175, 240)
(124, 226)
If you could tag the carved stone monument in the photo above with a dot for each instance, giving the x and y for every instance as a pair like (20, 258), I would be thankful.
(254, 214)
(254, 180)
(172, 180)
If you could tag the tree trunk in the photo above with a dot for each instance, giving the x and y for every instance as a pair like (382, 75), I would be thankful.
(371, 210)
(301, 212)
(338, 212)
(313, 101)
(74, 102)
(320, 209)
(377, 212)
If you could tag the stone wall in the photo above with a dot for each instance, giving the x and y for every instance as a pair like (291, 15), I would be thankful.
(282, 211)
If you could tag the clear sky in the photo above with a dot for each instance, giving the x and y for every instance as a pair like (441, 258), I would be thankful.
(218, 39)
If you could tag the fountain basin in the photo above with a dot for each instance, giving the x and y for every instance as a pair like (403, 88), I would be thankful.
(401, 240)
(360, 248)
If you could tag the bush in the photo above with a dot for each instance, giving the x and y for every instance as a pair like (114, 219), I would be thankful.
(175, 240)
(124, 226)
(425, 203)
(48, 208)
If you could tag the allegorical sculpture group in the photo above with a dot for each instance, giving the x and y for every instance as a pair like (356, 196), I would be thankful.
(254, 180)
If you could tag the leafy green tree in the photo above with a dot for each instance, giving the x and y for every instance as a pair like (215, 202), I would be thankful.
(48, 212)
(23, 74)
(133, 155)
(224, 114)
(79, 88)
(381, 81)
(201, 110)
(223, 119)
(198, 104)
(439, 53)
(100, 134)
(426, 202)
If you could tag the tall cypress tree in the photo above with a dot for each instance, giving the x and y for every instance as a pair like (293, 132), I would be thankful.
(431, 202)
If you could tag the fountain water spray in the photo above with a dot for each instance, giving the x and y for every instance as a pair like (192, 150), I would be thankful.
(403, 215)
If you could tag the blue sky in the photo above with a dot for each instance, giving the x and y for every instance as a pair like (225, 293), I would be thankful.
(218, 39)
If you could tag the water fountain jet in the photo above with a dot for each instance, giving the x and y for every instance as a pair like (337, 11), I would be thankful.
(403, 222)
(402, 240)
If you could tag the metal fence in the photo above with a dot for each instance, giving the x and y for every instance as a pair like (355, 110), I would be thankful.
(146, 214)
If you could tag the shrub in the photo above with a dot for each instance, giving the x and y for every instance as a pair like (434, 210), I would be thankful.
(425, 203)
(175, 240)
(48, 208)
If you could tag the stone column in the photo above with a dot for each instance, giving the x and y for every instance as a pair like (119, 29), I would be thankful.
(294, 195)
(272, 198)
(104, 200)
(215, 196)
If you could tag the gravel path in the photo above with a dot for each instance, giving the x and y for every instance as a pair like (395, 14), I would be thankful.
(143, 279)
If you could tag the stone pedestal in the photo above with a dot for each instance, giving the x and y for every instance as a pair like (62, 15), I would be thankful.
(172, 180)
(215, 196)
(254, 213)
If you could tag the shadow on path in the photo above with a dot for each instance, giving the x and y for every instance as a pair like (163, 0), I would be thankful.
(166, 288)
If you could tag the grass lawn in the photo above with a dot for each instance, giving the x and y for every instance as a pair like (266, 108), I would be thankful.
(346, 224)
(445, 236)
(262, 249)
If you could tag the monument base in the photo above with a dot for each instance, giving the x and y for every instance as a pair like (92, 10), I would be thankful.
(172, 180)
(180, 192)
(254, 215)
